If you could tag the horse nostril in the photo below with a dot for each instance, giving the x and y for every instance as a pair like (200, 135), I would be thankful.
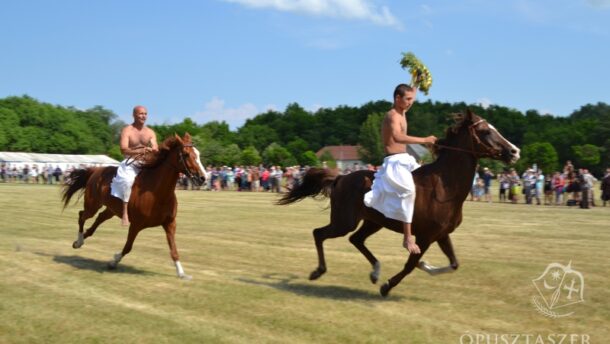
(514, 151)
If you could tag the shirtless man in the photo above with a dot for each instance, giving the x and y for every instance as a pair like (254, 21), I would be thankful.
(393, 190)
(136, 140)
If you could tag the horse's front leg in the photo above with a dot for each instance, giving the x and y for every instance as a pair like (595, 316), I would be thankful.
(447, 248)
(170, 233)
(409, 266)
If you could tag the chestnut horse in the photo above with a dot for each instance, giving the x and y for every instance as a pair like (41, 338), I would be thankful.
(441, 189)
(153, 199)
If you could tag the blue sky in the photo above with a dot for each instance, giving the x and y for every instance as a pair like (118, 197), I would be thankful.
(230, 60)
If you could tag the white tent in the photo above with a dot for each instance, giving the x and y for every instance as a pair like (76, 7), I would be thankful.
(64, 161)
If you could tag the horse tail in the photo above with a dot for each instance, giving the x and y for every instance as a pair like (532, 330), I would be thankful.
(77, 180)
(317, 181)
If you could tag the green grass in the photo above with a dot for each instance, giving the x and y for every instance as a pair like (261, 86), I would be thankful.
(250, 261)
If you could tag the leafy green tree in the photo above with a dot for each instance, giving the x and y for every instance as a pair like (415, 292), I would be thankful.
(250, 156)
(231, 155)
(370, 139)
(115, 152)
(586, 155)
(275, 154)
(542, 154)
(297, 147)
(218, 131)
(211, 153)
(309, 158)
(257, 136)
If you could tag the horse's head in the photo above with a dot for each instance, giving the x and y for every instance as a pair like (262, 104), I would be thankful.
(188, 157)
(486, 140)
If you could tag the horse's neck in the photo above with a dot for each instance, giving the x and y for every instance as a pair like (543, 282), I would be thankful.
(165, 176)
(457, 171)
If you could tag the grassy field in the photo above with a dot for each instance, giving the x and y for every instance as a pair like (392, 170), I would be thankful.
(250, 261)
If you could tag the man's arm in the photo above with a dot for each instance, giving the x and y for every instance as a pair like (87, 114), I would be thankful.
(153, 141)
(400, 137)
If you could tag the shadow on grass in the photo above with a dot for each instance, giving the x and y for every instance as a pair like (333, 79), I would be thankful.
(286, 282)
(95, 265)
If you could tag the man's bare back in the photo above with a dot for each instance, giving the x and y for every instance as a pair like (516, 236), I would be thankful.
(393, 121)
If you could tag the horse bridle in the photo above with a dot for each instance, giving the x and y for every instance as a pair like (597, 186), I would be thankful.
(182, 155)
(489, 151)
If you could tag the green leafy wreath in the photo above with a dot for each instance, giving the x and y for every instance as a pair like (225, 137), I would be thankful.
(420, 75)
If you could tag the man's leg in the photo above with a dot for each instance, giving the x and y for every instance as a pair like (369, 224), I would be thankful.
(125, 218)
(409, 240)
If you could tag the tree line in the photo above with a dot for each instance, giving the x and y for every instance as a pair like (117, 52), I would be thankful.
(292, 136)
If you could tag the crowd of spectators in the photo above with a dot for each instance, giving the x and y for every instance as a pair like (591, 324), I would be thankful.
(571, 186)
(247, 178)
(35, 174)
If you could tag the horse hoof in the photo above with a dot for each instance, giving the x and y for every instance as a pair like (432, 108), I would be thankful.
(186, 277)
(76, 244)
(316, 274)
(112, 266)
(385, 289)
(374, 277)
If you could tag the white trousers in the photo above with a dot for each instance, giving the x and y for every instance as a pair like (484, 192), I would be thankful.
(393, 190)
(123, 181)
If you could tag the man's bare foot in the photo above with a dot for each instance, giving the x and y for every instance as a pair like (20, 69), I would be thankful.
(411, 246)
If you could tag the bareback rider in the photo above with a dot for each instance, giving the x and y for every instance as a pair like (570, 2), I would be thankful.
(393, 190)
(136, 140)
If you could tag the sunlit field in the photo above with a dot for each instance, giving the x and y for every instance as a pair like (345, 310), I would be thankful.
(250, 261)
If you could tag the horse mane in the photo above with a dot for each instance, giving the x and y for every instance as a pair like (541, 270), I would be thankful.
(153, 160)
(450, 133)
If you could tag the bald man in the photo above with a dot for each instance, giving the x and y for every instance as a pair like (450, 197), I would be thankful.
(136, 140)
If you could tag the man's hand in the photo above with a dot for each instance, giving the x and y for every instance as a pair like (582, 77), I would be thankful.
(431, 139)
(411, 246)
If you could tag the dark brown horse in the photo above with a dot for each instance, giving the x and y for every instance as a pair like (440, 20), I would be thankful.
(441, 189)
(152, 202)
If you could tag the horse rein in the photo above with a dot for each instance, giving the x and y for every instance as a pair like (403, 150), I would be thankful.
(475, 139)
(188, 173)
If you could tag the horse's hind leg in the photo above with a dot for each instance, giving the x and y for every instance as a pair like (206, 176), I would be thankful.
(409, 266)
(83, 215)
(367, 229)
(131, 237)
(321, 234)
(447, 248)
(170, 234)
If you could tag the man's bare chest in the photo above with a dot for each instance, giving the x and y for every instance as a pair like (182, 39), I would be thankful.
(139, 138)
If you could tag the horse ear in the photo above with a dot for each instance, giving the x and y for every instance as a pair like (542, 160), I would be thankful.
(178, 138)
(469, 114)
(187, 137)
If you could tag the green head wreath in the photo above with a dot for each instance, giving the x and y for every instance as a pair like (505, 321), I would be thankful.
(420, 75)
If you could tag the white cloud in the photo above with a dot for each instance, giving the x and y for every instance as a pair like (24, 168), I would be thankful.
(599, 3)
(348, 9)
(485, 102)
(215, 110)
